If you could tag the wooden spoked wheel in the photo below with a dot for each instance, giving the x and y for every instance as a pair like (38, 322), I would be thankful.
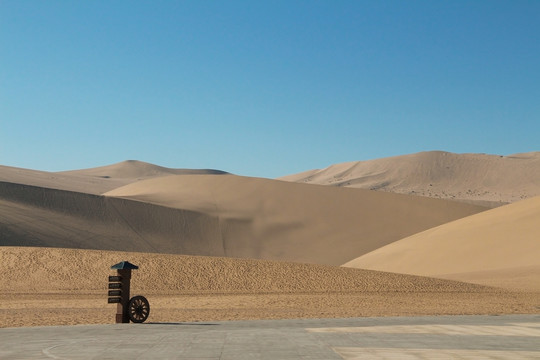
(138, 309)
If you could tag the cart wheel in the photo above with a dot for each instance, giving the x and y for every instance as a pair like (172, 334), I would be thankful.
(138, 309)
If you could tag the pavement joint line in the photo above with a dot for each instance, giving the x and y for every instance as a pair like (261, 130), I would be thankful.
(361, 353)
(436, 329)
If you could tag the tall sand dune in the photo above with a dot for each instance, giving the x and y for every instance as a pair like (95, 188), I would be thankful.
(44, 286)
(499, 247)
(478, 178)
(223, 215)
(269, 219)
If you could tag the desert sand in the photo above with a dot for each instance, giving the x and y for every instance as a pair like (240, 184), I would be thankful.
(499, 247)
(44, 286)
(216, 246)
(490, 180)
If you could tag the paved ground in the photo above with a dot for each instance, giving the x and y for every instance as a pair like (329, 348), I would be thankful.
(437, 337)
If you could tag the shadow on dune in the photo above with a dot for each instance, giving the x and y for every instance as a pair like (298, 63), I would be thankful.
(35, 216)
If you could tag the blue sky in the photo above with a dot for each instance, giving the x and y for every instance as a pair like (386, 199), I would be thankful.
(264, 88)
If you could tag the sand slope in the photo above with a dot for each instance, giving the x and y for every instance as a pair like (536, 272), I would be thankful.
(64, 286)
(43, 286)
(35, 216)
(62, 270)
(483, 179)
(498, 247)
(269, 219)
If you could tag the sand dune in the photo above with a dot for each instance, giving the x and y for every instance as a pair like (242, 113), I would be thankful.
(45, 218)
(478, 178)
(43, 286)
(499, 247)
(269, 219)
(222, 215)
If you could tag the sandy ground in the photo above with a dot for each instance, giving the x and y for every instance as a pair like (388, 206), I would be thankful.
(44, 286)
(80, 308)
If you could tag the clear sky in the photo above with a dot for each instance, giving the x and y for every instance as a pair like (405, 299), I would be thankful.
(264, 88)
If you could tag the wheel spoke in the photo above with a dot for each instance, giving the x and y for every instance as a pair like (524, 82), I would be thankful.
(139, 309)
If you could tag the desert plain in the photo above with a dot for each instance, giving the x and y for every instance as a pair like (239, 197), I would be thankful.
(421, 234)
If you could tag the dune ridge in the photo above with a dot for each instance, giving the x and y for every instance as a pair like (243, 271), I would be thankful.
(96, 180)
(60, 181)
(490, 180)
(135, 169)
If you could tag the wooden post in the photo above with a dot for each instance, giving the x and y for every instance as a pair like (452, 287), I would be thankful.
(119, 288)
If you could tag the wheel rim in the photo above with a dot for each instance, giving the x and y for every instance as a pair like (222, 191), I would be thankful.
(139, 309)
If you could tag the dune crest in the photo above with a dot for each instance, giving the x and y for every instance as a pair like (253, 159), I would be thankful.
(94, 180)
(135, 170)
(60, 181)
(499, 247)
(478, 178)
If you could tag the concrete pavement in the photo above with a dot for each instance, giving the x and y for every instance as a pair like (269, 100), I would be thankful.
(433, 337)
